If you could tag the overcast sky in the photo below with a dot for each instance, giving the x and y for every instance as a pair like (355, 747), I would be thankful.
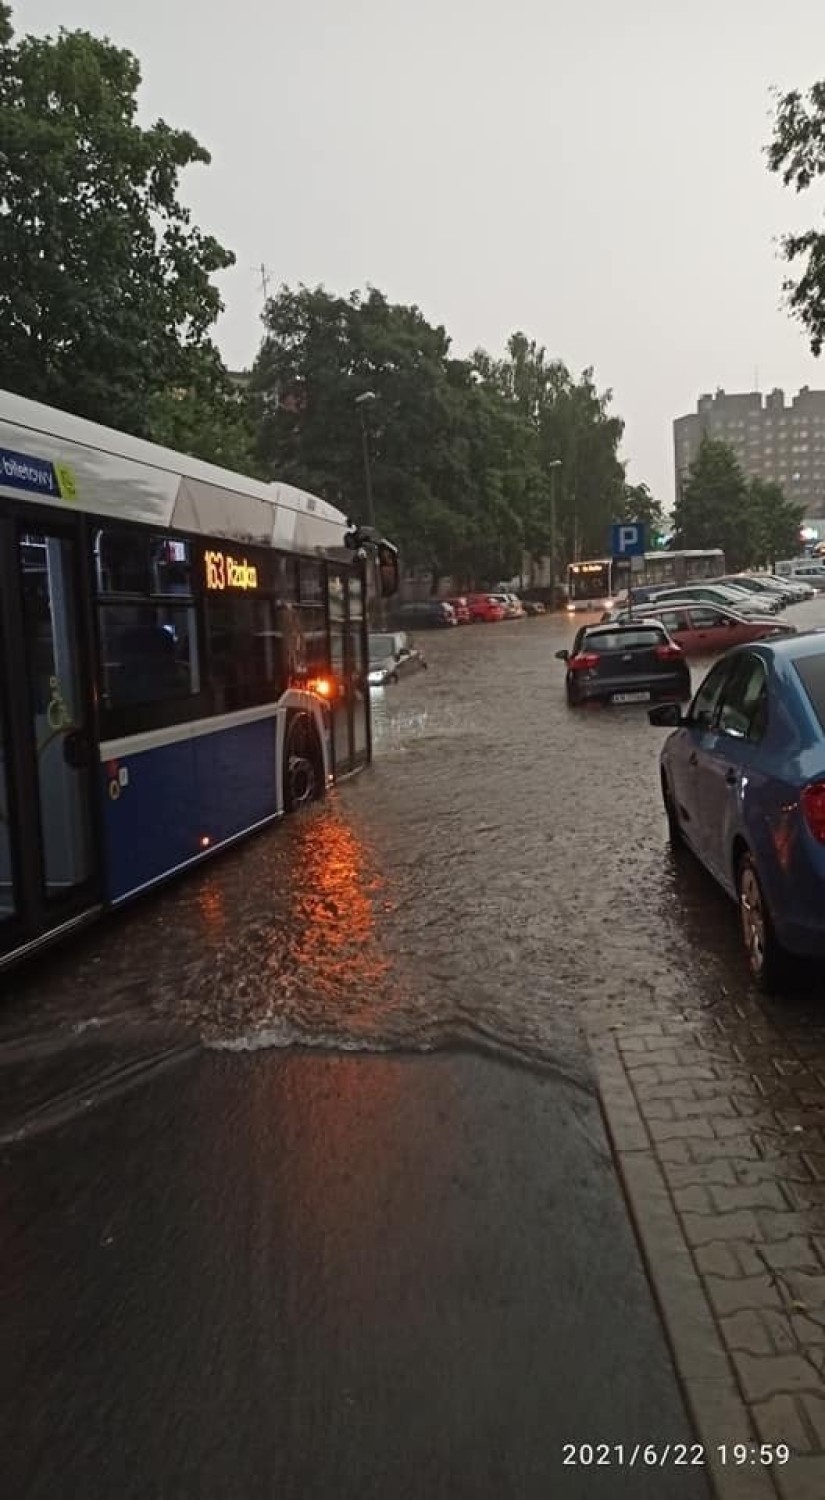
(590, 173)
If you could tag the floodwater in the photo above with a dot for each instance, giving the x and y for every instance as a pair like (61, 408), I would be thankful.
(502, 876)
(320, 1238)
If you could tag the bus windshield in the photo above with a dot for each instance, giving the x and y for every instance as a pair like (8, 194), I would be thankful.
(589, 580)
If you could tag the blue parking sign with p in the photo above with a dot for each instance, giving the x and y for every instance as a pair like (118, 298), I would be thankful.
(628, 539)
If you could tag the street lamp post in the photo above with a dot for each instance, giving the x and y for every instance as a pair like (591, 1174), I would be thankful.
(375, 604)
(360, 402)
(553, 465)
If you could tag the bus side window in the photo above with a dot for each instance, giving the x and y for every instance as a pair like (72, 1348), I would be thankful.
(149, 653)
(245, 657)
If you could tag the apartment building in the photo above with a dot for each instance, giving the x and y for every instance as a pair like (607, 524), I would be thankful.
(771, 439)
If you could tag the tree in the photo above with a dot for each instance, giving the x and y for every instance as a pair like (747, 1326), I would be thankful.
(797, 151)
(712, 509)
(570, 421)
(462, 452)
(637, 504)
(774, 525)
(106, 291)
(447, 453)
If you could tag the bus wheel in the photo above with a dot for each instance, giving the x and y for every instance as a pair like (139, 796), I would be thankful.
(303, 764)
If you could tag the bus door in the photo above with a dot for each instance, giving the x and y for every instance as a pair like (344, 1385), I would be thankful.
(48, 868)
(348, 658)
(359, 673)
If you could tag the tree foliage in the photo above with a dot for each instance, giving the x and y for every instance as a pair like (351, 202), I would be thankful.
(797, 152)
(752, 522)
(461, 451)
(775, 523)
(639, 505)
(106, 291)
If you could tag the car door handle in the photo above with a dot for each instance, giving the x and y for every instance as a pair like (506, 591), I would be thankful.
(731, 776)
(693, 759)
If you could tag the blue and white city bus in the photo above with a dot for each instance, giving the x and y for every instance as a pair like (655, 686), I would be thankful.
(596, 583)
(184, 659)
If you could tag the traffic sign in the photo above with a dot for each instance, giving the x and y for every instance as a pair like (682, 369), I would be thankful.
(628, 539)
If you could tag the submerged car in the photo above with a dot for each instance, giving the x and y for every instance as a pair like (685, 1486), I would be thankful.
(426, 613)
(743, 784)
(625, 664)
(392, 656)
(703, 629)
(484, 607)
(461, 608)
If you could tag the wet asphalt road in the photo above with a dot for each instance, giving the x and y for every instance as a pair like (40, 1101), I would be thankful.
(283, 1265)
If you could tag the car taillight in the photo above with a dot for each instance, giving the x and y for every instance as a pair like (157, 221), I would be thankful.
(813, 806)
(583, 662)
(670, 652)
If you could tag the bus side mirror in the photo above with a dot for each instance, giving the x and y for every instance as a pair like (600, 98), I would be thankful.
(562, 656)
(388, 571)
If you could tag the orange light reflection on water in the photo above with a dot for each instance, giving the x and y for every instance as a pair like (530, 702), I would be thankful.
(332, 915)
(211, 906)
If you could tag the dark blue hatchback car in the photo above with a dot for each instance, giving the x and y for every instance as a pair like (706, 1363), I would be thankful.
(743, 781)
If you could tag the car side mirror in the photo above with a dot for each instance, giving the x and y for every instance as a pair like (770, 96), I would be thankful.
(562, 656)
(666, 716)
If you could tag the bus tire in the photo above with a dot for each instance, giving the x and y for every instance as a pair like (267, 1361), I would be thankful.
(303, 764)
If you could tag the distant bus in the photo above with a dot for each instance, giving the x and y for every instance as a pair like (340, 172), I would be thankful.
(594, 584)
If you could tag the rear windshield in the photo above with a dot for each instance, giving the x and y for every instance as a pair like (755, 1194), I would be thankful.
(381, 645)
(624, 640)
(812, 671)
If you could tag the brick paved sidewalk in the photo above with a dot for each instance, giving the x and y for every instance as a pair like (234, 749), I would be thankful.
(717, 1124)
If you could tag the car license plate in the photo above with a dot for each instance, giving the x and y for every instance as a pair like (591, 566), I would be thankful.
(630, 698)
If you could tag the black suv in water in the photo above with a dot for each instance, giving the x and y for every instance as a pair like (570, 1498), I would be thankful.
(625, 664)
(425, 613)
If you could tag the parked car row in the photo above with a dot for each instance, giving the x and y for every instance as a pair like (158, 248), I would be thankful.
(750, 594)
(464, 609)
(704, 618)
(637, 652)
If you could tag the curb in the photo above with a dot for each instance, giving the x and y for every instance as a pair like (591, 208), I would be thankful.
(707, 1377)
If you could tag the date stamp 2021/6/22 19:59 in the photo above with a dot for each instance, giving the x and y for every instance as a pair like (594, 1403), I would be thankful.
(683, 1455)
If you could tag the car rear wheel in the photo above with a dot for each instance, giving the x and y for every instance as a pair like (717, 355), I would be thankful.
(674, 827)
(768, 963)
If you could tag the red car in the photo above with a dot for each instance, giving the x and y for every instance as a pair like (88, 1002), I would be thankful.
(462, 609)
(483, 607)
(703, 629)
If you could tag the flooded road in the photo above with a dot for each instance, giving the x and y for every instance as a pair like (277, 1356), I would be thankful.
(502, 874)
(345, 1221)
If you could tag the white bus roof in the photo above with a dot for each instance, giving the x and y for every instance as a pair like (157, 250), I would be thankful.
(50, 457)
(592, 562)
